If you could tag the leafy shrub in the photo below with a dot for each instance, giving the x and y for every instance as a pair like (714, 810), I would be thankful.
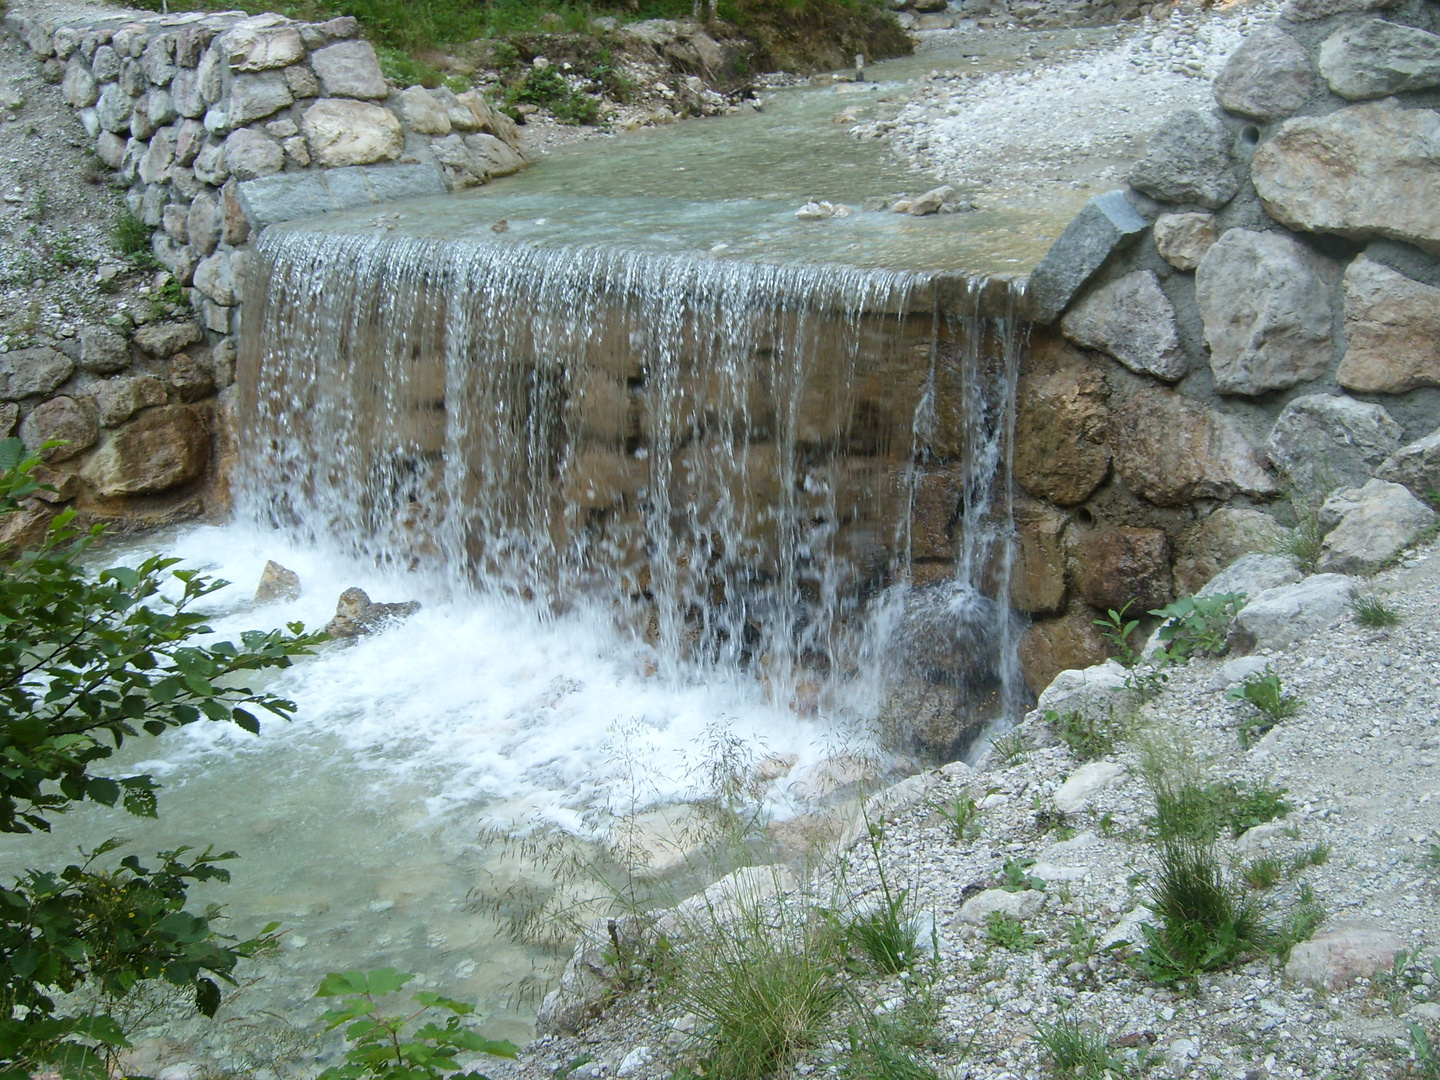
(1117, 628)
(1267, 695)
(1087, 738)
(132, 236)
(393, 1047)
(1008, 932)
(1198, 625)
(546, 87)
(86, 663)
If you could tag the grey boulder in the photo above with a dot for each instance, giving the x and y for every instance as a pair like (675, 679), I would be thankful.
(1188, 160)
(1322, 441)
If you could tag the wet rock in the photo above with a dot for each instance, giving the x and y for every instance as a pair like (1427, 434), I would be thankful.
(1062, 424)
(25, 528)
(1417, 466)
(1188, 160)
(1267, 76)
(116, 400)
(1374, 58)
(1018, 905)
(422, 112)
(161, 449)
(1106, 224)
(1082, 785)
(60, 418)
(1121, 563)
(1309, 10)
(1216, 542)
(931, 201)
(1375, 522)
(351, 133)
(249, 154)
(1252, 574)
(254, 97)
(1051, 646)
(501, 159)
(356, 615)
(349, 69)
(167, 338)
(33, 372)
(1171, 449)
(1278, 618)
(1334, 959)
(1183, 239)
(1037, 579)
(277, 584)
(1321, 442)
(1366, 170)
(103, 351)
(1265, 299)
(1392, 331)
(1132, 320)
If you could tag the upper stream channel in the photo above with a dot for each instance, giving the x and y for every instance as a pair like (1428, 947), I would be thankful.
(379, 827)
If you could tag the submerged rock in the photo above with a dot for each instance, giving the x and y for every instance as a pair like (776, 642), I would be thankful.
(357, 615)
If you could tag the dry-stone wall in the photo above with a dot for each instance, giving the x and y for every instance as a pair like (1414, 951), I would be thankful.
(219, 125)
(1258, 314)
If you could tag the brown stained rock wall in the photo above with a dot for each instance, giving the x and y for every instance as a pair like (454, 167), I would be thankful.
(219, 125)
(1300, 259)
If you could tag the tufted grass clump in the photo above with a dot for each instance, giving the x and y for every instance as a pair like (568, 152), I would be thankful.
(1372, 612)
(1262, 873)
(1089, 738)
(1073, 1050)
(1011, 748)
(1187, 809)
(1007, 932)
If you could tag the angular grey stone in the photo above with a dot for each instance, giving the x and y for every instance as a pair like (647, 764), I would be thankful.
(463, 166)
(1132, 320)
(249, 155)
(172, 220)
(60, 418)
(1085, 783)
(502, 160)
(1366, 170)
(110, 149)
(1375, 522)
(342, 132)
(114, 108)
(1392, 331)
(1417, 465)
(119, 399)
(140, 125)
(391, 182)
(211, 74)
(220, 276)
(1267, 76)
(1183, 239)
(1252, 574)
(167, 338)
(255, 96)
(132, 77)
(1265, 299)
(159, 106)
(103, 351)
(32, 372)
(1323, 442)
(1188, 160)
(1309, 10)
(302, 82)
(1334, 959)
(422, 113)
(177, 257)
(185, 93)
(9, 414)
(1104, 225)
(79, 86)
(189, 140)
(202, 223)
(262, 48)
(349, 69)
(284, 198)
(210, 164)
(106, 64)
(1278, 618)
(1373, 58)
(159, 59)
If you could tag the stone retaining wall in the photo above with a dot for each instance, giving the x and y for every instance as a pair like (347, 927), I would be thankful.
(219, 125)
(1256, 314)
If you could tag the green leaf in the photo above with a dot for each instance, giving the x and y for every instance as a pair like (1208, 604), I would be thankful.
(207, 996)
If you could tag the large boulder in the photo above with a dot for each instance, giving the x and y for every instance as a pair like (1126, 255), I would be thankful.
(249, 154)
(1309, 10)
(1265, 300)
(1374, 58)
(1188, 160)
(1120, 563)
(1417, 466)
(1267, 76)
(351, 133)
(1215, 543)
(63, 419)
(1322, 442)
(253, 97)
(1061, 428)
(1171, 449)
(1392, 331)
(1278, 618)
(32, 372)
(1374, 522)
(423, 112)
(117, 400)
(1183, 239)
(349, 69)
(160, 449)
(1132, 320)
(1366, 170)
(1252, 574)
(1105, 225)
(259, 48)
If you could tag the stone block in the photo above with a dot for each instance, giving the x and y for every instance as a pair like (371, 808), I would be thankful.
(1188, 160)
(1105, 225)
(349, 69)
(1183, 239)
(103, 351)
(64, 419)
(161, 449)
(1267, 76)
(33, 372)
(1062, 423)
(1322, 442)
(1118, 564)
(1132, 320)
(1392, 331)
(351, 132)
(250, 155)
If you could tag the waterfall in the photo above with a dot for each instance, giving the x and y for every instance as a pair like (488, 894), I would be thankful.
(726, 454)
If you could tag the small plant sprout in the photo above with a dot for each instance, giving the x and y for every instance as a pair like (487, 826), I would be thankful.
(1007, 932)
(1011, 748)
(1014, 877)
(1427, 1059)
(399, 1046)
(1371, 611)
(1116, 628)
(963, 814)
(1315, 855)
(1088, 738)
(1266, 694)
(1076, 1051)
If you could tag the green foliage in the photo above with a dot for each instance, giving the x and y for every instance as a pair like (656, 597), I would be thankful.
(1305, 541)
(1187, 809)
(1371, 611)
(1267, 694)
(1117, 629)
(1315, 855)
(1015, 876)
(963, 814)
(887, 935)
(1198, 625)
(1205, 924)
(1262, 873)
(1007, 932)
(546, 87)
(132, 237)
(86, 663)
(1011, 748)
(1076, 1051)
(405, 70)
(398, 1046)
(1427, 1061)
(1087, 737)
(1299, 923)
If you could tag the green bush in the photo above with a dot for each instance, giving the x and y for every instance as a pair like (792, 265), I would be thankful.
(1198, 625)
(547, 88)
(132, 236)
(87, 662)
(1087, 737)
